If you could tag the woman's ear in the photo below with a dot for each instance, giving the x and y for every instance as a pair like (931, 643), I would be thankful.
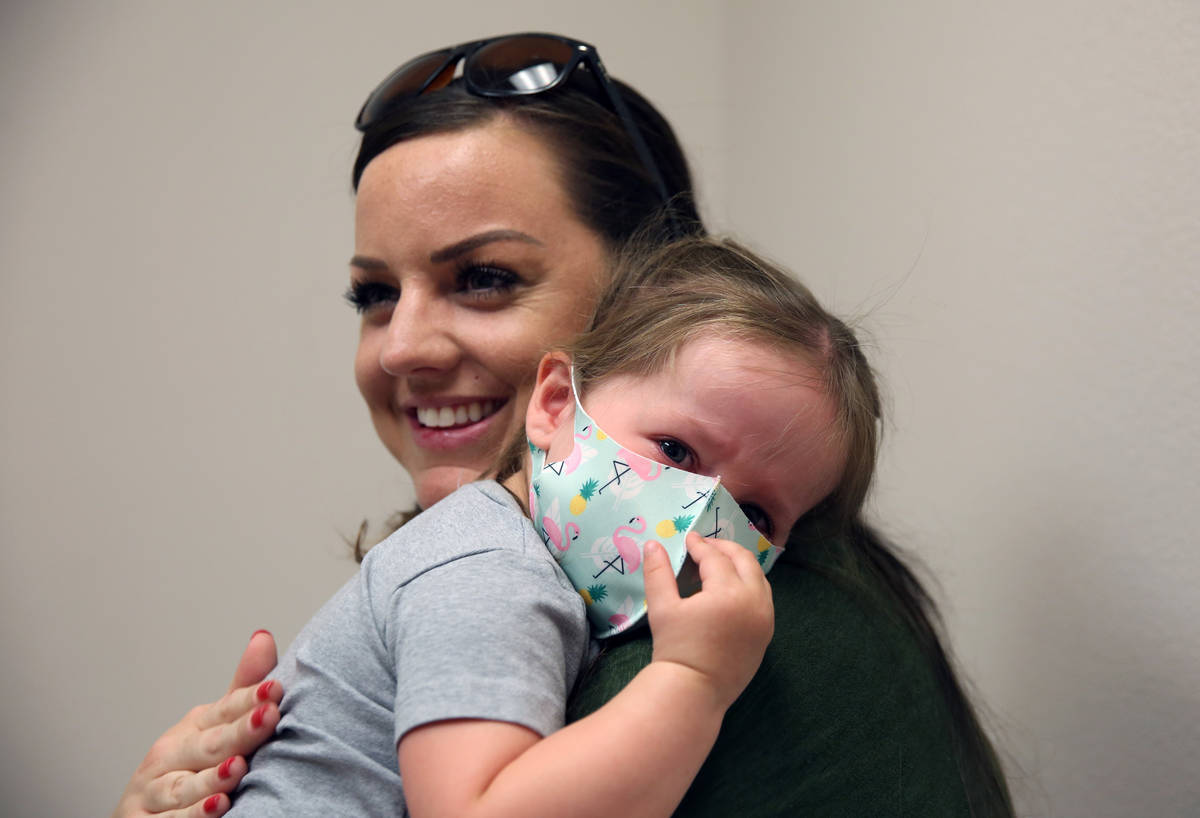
(552, 405)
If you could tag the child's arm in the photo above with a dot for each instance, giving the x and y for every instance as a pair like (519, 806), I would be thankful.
(636, 755)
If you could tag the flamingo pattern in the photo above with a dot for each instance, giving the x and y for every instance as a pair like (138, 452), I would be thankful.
(627, 546)
(561, 540)
(560, 537)
(579, 452)
(623, 617)
(597, 520)
(643, 467)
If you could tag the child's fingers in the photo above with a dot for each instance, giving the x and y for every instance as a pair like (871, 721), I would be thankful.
(657, 575)
(714, 564)
(744, 562)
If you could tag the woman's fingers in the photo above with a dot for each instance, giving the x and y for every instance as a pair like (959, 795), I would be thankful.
(218, 753)
(201, 757)
(258, 659)
(233, 705)
(206, 747)
(212, 807)
(184, 793)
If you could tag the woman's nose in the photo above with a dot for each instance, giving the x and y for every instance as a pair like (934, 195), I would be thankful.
(419, 338)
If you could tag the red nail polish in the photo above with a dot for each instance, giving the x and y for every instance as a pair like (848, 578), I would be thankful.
(264, 690)
(257, 632)
(223, 770)
(256, 718)
(210, 803)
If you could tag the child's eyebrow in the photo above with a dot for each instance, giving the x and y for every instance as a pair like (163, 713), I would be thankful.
(711, 441)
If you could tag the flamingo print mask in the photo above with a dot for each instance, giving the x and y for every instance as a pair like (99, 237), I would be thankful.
(596, 510)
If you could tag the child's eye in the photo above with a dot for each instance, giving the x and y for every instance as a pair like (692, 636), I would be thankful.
(485, 280)
(367, 295)
(759, 519)
(675, 451)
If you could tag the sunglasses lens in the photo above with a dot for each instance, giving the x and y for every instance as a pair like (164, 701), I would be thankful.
(518, 65)
(427, 72)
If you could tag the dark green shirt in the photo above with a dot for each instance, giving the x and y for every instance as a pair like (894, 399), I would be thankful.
(843, 718)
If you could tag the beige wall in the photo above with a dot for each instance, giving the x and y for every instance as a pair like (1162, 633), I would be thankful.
(1010, 193)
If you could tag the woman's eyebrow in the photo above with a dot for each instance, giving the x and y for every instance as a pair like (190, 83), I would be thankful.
(478, 240)
(367, 263)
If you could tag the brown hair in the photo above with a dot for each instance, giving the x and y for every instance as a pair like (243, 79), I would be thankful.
(660, 297)
(663, 295)
(610, 189)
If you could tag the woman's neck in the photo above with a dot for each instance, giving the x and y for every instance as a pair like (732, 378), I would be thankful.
(517, 483)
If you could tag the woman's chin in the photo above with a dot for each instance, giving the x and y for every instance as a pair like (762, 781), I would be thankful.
(438, 482)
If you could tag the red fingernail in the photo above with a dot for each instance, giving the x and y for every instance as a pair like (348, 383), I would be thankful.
(257, 632)
(210, 803)
(223, 770)
(264, 690)
(256, 718)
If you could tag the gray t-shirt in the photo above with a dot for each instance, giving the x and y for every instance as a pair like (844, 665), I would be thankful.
(462, 613)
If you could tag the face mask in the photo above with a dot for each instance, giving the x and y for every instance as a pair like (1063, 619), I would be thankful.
(598, 508)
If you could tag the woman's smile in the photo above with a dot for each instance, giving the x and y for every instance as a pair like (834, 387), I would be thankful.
(463, 275)
(452, 424)
(458, 415)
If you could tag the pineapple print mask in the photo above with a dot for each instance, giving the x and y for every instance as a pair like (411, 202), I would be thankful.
(596, 510)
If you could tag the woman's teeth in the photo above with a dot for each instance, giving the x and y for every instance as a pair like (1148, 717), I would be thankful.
(442, 417)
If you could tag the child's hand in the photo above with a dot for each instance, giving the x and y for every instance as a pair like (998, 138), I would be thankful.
(720, 632)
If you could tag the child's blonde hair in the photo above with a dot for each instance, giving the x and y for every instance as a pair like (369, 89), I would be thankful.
(663, 296)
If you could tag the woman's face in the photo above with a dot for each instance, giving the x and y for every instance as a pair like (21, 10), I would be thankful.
(468, 263)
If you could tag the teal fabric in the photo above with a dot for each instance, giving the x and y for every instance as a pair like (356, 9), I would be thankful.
(597, 508)
(843, 718)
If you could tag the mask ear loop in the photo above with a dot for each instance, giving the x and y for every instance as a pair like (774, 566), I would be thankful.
(575, 392)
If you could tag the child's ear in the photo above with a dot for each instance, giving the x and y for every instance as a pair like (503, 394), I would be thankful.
(552, 403)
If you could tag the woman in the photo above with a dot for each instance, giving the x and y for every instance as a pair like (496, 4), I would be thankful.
(479, 215)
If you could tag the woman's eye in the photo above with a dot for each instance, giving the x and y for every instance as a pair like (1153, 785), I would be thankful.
(759, 519)
(675, 451)
(365, 296)
(485, 280)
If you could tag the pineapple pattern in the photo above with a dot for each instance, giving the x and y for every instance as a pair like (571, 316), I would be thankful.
(613, 501)
(669, 528)
(593, 593)
(579, 501)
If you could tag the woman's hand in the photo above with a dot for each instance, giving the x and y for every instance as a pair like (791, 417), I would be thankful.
(722, 631)
(193, 766)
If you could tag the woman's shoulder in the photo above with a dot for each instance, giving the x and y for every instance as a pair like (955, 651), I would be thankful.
(844, 717)
(480, 519)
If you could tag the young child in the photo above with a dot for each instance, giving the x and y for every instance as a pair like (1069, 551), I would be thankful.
(434, 683)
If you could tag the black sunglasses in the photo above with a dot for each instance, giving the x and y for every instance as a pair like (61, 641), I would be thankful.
(508, 66)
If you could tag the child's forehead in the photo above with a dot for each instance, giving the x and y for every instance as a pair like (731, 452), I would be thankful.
(715, 364)
(737, 361)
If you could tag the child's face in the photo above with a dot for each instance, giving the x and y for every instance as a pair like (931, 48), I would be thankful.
(757, 417)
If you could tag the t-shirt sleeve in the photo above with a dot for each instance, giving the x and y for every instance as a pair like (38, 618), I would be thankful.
(494, 635)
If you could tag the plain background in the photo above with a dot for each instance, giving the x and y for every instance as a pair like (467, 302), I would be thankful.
(1007, 194)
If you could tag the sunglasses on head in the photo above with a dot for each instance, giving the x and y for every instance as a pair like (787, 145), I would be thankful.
(509, 66)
